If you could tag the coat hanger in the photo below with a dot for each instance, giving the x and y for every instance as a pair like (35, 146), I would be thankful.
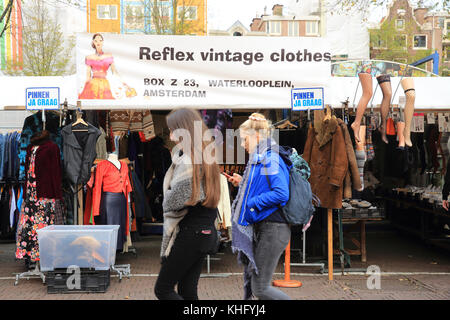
(285, 124)
(345, 112)
(80, 121)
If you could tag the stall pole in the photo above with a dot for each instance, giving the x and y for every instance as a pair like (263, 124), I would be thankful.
(75, 206)
(330, 244)
(287, 282)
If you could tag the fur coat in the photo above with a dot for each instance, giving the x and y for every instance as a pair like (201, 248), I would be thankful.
(326, 153)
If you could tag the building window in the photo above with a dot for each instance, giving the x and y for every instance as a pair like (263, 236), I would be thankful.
(400, 41)
(378, 42)
(401, 60)
(400, 24)
(312, 28)
(187, 13)
(293, 28)
(275, 27)
(107, 12)
(420, 42)
(134, 17)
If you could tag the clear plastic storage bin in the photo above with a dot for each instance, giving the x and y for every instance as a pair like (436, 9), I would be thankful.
(61, 246)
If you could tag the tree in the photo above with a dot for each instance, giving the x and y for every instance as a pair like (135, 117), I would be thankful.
(170, 17)
(367, 6)
(45, 52)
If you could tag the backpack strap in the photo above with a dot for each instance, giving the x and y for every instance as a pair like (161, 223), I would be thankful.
(268, 181)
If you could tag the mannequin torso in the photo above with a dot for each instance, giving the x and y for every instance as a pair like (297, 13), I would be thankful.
(114, 159)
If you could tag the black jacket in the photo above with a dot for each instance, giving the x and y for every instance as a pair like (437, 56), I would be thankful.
(446, 188)
(78, 158)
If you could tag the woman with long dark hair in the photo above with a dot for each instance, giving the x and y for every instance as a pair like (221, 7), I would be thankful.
(191, 194)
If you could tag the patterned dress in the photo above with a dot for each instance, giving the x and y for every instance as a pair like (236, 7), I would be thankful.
(36, 214)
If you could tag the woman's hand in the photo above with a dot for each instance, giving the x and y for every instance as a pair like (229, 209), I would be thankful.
(235, 179)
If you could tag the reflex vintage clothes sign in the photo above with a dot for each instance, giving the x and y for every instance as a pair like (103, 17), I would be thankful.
(117, 71)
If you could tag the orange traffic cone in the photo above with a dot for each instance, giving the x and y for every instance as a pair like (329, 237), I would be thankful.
(287, 282)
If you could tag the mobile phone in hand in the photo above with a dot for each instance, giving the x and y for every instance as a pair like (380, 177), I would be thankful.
(226, 175)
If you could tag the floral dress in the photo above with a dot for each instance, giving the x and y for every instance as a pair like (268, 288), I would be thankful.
(36, 214)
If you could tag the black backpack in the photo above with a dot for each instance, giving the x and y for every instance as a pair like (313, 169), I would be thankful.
(300, 206)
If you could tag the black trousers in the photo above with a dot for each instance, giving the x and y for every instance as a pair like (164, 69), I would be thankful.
(184, 264)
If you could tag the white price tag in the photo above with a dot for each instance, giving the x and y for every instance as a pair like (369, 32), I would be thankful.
(418, 124)
(441, 122)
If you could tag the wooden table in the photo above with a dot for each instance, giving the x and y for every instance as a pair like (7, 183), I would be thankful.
(358, 224)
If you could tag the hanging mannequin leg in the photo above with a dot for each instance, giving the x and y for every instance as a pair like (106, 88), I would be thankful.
(360, 153)
(400, 135)
(366, 84)
(410, 93)
(385, 84)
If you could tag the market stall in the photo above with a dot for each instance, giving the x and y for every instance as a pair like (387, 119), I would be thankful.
(129, 123)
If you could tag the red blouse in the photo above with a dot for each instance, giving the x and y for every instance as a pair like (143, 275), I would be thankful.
(109, 178)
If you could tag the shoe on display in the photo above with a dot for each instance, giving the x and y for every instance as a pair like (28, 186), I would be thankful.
(364, 204)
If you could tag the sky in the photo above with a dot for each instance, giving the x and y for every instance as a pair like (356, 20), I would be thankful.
(222, 14)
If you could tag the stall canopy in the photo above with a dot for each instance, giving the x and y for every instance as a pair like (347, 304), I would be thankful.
(431, 93)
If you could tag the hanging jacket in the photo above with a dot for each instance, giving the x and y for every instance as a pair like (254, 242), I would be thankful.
(352, 179)
(47, 168)
(33, 124)
(325, 152)
(2, 152)
(78, 160)
(133, 120)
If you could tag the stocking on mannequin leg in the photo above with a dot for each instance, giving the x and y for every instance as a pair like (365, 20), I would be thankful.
(410, 93)
(366, 84)
(385, 84)
(360, 153)
(400, 135)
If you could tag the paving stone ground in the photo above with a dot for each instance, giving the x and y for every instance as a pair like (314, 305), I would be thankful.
(410, 270)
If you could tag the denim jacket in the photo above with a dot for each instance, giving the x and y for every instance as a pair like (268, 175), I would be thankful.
(2, 153)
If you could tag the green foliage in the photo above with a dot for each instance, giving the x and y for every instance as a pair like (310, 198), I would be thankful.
(45, 52)
(392, 43)
(163, 23)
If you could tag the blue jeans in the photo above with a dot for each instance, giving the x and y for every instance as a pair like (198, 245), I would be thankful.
(271, 238)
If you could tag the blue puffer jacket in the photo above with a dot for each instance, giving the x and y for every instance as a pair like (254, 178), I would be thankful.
(259, 200)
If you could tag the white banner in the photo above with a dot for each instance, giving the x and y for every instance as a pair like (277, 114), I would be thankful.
(135, 71)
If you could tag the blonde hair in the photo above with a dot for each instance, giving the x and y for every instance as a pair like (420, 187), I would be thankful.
(259, 123)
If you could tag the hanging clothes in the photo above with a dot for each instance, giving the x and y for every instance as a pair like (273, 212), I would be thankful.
(37, 213)
(110, 197)
(48, 171)
(33, 124)
(2, 153)
(134, 121)
(100, 147)
(157, 161)
(224, 205)
(352, 178)
(79, 157)
(326, 155)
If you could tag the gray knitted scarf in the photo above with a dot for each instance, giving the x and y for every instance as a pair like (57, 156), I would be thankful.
(177, 190)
